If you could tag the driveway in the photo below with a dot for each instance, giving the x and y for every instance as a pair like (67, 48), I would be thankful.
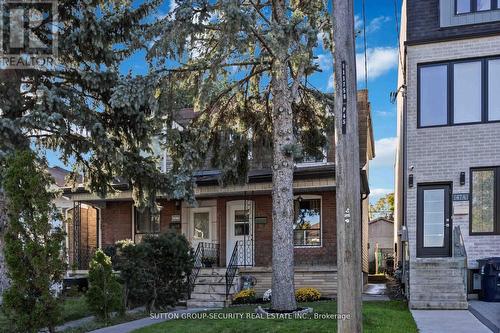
(456, 321)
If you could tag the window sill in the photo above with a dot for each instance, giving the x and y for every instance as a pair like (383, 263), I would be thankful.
(307, 246)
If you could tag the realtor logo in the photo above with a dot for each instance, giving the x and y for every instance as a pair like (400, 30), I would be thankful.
(28, 36)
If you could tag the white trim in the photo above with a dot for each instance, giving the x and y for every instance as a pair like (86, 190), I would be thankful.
(312, 197)
(192, 211)
(229, 229)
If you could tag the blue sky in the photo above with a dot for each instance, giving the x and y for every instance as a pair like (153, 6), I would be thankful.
(382, 55)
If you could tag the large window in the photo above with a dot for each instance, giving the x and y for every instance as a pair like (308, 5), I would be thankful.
(472, 6)
(433, 95)
(459, 92)
(494, 89)
(484, 192)
(307, 225)
(467, 92)
(145, 223)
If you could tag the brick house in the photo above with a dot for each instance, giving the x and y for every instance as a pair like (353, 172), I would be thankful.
(447, 175)
(233, 224)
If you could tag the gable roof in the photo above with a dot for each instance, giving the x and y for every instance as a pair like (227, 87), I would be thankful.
(381, 219)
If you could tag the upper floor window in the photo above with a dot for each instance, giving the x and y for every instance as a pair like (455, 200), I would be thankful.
(459, 92)
(472, 6)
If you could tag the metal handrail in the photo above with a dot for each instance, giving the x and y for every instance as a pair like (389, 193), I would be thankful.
(203, 251)
(232, 267)
(196, 268)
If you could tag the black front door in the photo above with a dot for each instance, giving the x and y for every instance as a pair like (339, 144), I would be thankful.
(434, 221)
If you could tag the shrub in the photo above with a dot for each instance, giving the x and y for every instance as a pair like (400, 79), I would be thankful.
(155, 272)
(245, 296)
(33, 246)
(307, 295)
(105, 293)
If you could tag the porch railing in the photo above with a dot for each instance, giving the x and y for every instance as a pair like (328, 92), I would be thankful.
(232, 268)
(459, 251)
(81, 257)
(205, 253)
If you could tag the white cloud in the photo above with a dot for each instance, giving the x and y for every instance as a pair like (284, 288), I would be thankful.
(358, 23)
(385, 152)
(377, 193)
(376, 24)
(380, 61)
(324, 61)
(372, 26)
(385, 113)
(173, 6)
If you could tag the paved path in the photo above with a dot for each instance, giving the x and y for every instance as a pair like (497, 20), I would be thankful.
(375, 292)
(136, 324)
(439, 321)
(487, 312)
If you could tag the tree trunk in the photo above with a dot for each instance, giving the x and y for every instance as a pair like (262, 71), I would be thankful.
(347, 178)
(283, 263)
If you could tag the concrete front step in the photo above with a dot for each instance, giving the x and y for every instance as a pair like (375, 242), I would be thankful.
(438, 264)
(218, 288)
(220, 271)
(441, 305)
(441, 273)
(439, 287)
(208, 297)
(438, 297)
(196, 303)
(204, 279)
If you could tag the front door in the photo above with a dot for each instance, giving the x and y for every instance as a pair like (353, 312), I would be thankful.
(240, 230)
(434, 221)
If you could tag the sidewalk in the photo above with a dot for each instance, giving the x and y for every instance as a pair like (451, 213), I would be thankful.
(140, 323)
(439, 321)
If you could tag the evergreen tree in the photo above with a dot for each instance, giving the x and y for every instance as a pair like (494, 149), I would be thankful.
(99, 119)
(246, 63)
(105, 293)
(33, 247)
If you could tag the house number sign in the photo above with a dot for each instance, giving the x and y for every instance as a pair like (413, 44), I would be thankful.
(347, 216)
(344, 97)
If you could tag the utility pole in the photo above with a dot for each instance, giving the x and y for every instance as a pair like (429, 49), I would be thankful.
(347, 171)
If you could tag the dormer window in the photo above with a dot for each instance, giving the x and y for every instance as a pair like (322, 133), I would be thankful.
(473, 6)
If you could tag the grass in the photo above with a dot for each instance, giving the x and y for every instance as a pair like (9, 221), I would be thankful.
(75, 308)
(378, 317)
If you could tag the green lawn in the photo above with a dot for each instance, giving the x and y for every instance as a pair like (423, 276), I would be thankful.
(73, 308)
(379, 317)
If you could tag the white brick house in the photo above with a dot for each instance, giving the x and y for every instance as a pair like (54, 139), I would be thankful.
(448, 159)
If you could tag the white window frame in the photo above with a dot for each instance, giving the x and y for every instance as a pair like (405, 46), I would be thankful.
(192, 211)
(311, 197)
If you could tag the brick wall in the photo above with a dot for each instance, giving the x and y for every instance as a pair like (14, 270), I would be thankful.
(116, 220)
(326, 254)
(440, 154)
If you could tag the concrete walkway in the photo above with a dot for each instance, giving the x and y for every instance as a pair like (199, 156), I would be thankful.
(140, 323)
(439, 321)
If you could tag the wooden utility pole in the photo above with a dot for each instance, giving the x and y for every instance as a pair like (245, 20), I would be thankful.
(347, 174)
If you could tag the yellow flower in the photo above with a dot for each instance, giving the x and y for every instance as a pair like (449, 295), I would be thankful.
(307, 294)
